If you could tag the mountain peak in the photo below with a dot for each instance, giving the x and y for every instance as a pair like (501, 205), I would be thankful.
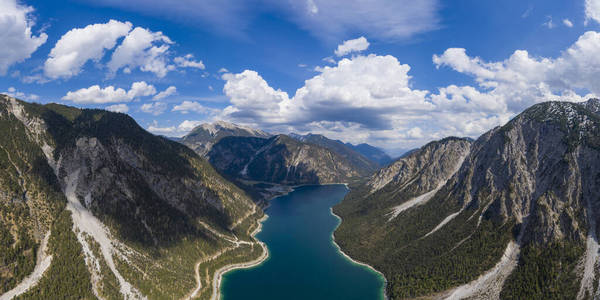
(218, 126)
(203, 137)
(593, 105)
(567, 115)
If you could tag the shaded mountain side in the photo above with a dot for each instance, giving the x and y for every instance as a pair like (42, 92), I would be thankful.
(373, 153)
(129, 212)
(203, 137)
(521, 211)
(282, 160)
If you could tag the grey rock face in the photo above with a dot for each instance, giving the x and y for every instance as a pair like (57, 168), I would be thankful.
(424, 169)
(543, 165)
(534, 183)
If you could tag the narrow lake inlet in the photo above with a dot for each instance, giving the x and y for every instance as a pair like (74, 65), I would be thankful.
(304, 263)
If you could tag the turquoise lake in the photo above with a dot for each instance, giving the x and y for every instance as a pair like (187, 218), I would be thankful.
(303, 262)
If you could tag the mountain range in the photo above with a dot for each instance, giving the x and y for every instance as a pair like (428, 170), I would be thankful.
(93, 206)
(265, 165)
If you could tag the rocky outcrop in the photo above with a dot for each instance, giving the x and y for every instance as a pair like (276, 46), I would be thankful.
(424, 169)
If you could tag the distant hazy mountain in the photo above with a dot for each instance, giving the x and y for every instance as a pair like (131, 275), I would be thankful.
(369, 156)
(345, 150)
(373, 153)
(202, 138)
(93, 206)
(513, 215)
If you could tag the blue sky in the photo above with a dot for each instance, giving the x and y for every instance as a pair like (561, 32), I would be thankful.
(413, 71)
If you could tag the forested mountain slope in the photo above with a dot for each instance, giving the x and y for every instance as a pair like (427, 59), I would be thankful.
(518, 219)
(125, 214)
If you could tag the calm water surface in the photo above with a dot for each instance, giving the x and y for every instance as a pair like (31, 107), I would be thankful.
(303, 263)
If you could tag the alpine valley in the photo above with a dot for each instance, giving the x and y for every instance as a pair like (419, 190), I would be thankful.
(94, 206)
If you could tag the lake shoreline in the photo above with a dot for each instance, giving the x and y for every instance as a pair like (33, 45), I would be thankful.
(218, 276)
(385, 296)
(291, 188)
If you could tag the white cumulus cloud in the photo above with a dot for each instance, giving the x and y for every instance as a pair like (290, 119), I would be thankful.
(155, 108)
(365, 93)
(349, 46)
(141, 89)
(21, 95)
(18, 40)
(371, 98)
(144, 49)
(180, 130)
(188, 125)
(522, 80)
(110, 94)
(122, 108)
(252, 98)
(592, 11)
(172, 90)
(80, 45)
(188, 61)
(191, 106)
(156, 129)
